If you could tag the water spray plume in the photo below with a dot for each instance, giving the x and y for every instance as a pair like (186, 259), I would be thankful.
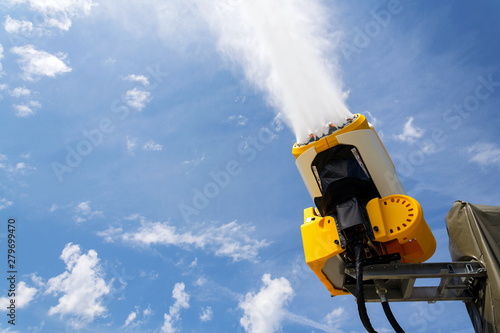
(283, 47)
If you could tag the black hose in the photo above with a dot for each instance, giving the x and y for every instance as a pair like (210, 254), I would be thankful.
(360, 294)
(391, 318)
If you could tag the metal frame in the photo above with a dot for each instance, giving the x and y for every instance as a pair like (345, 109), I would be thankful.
(396, 282)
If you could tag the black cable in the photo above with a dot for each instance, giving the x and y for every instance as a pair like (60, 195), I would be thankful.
(360, 294)
(390, 316)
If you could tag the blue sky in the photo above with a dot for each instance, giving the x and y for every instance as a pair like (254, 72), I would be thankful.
(152, 182)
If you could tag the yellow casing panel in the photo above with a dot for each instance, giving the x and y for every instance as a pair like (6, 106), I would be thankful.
(331, 140)
(398, 223)
(318, 238)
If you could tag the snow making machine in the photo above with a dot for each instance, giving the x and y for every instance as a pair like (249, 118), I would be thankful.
(365, 236)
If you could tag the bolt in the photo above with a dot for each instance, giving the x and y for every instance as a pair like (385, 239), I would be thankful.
(336, 241)
(375, 228)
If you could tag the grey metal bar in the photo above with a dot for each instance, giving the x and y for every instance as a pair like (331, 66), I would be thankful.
(398, 281)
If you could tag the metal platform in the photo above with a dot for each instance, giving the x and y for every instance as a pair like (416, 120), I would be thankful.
(457, 281)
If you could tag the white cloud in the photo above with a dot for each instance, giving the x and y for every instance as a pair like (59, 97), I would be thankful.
(37, 280)
(27, 109)
(195, 161)
(24, 296)
(232, 240)
(228, 240)
(20, 91)
(19, 168)
(138, 78)
(7, 330)
(131, 317)
(264, 311)
(59, 14)
(23, 168)
(206, 314)
(151, 275)
(311, 323)
(111, 234)
(137, 98)
(334, 318)
(23, 111)
(181, 302)
(410, 133)
(162, 233)
(3, 86)
(147, 312)
(200, 281)
(133, 320)
(4, 203)
(152, 146)
(14, 26)
(70, 7)
(372, 119)
(11, 3)
(36, 63)
(82, 286)
(485, 154)
(84, 212)
(131, 144)
(240, 120)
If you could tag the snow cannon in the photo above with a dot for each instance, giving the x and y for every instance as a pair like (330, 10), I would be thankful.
(362, 214)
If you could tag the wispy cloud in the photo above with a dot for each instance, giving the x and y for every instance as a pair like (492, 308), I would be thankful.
(14, 26)
(329, 327)
(264, 310)
(133, 143)
(4, 203)
(484, 154)
(15, 168)
(59, 14)
(137, 98)
(138, 78)
(410, 132)
(335, 316)
(82, 287)
(1, 66)
(20, 92)
(181, 302)
(26, 109)
(206, 314)
(195, 161)
(130, 318)
(133, 317)
(152, 146)
(200, 281)
(83, 212)
(36, 63)
(230, 240)
(239, 120)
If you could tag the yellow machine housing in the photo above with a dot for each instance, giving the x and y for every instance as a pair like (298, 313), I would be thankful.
(396, 220)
